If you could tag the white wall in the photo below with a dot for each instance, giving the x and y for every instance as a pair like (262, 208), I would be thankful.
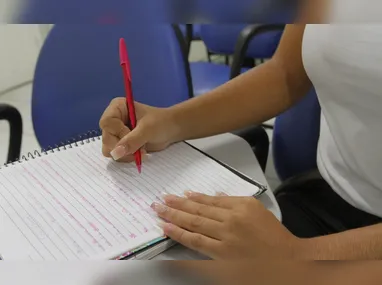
(19, 49)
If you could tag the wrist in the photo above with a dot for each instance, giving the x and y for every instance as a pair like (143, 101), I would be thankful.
(173, 122)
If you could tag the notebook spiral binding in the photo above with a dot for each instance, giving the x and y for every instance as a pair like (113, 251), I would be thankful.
(73, 142)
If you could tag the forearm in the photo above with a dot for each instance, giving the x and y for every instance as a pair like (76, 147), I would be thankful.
(276, 271)
(360, 244)
(252, 98)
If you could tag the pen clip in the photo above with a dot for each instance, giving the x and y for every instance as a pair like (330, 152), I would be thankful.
(124, 58)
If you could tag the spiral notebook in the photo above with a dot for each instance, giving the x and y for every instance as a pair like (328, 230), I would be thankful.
(71, 203)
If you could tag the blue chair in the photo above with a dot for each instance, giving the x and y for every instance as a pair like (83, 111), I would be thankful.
(78, 74)
(296, 131)
(13, 116)
(191, 32)
(295, 138)
(294, 143)
(226, 39)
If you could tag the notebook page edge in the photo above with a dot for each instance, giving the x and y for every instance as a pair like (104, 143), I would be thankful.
(261, 188)
(123, 251)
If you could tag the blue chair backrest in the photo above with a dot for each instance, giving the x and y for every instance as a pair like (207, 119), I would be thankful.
(222, 39)
(195, 30)
(295, 138)
(78, 73)
(100, 11)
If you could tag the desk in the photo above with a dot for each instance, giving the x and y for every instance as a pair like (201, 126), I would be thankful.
(237, 153)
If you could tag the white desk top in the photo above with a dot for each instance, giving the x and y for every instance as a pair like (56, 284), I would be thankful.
(235, 152)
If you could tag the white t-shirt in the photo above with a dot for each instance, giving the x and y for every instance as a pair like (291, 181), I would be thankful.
(344, 63)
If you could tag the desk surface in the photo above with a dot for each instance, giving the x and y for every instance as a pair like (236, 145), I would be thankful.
(235, 152)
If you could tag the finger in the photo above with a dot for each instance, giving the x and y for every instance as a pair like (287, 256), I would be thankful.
(221, 201)
(109, 141)
(117, 109)
(113, 130)
(112, 133)
(131, 158)
(189, 222)
(195, 241)
(115, 127)
(130, 143)
(194, 208)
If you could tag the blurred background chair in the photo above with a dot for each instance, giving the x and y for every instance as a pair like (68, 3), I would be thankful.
(246, 48)
(13, 116)
(261, 43)
(78, 73)
(241, 41)
(191, 32)
(294, 144)
(295, 138)
(296, 131)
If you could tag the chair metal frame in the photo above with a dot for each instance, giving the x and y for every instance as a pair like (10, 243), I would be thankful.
(13, 116)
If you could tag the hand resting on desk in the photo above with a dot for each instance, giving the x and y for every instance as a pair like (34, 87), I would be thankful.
(225, 227)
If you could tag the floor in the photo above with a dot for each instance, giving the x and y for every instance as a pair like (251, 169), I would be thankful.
(21, 99)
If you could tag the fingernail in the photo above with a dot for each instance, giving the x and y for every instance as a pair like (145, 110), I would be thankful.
(167, 228)
(169, 198)
(118, 152)
(161, 224)
(164, 196)
(189, 194)
(220, 194)
(158, 208)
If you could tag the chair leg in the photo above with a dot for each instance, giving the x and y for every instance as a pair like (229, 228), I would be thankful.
(209, 54)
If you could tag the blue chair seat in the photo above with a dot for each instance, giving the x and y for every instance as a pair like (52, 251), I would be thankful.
(207, 76)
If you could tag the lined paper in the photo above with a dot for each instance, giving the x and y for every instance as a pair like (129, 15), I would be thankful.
(76, 204)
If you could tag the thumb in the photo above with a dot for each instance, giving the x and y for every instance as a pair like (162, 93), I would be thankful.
(130, 143)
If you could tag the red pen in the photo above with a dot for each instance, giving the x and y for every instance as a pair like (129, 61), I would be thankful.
(129, 96)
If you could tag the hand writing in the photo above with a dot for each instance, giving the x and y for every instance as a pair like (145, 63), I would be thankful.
(153, 133)
(225, 227)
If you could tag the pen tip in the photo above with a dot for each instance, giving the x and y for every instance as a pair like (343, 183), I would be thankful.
(139, 169)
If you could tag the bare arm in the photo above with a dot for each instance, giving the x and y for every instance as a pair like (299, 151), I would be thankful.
(359, 244)
(251, 98)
